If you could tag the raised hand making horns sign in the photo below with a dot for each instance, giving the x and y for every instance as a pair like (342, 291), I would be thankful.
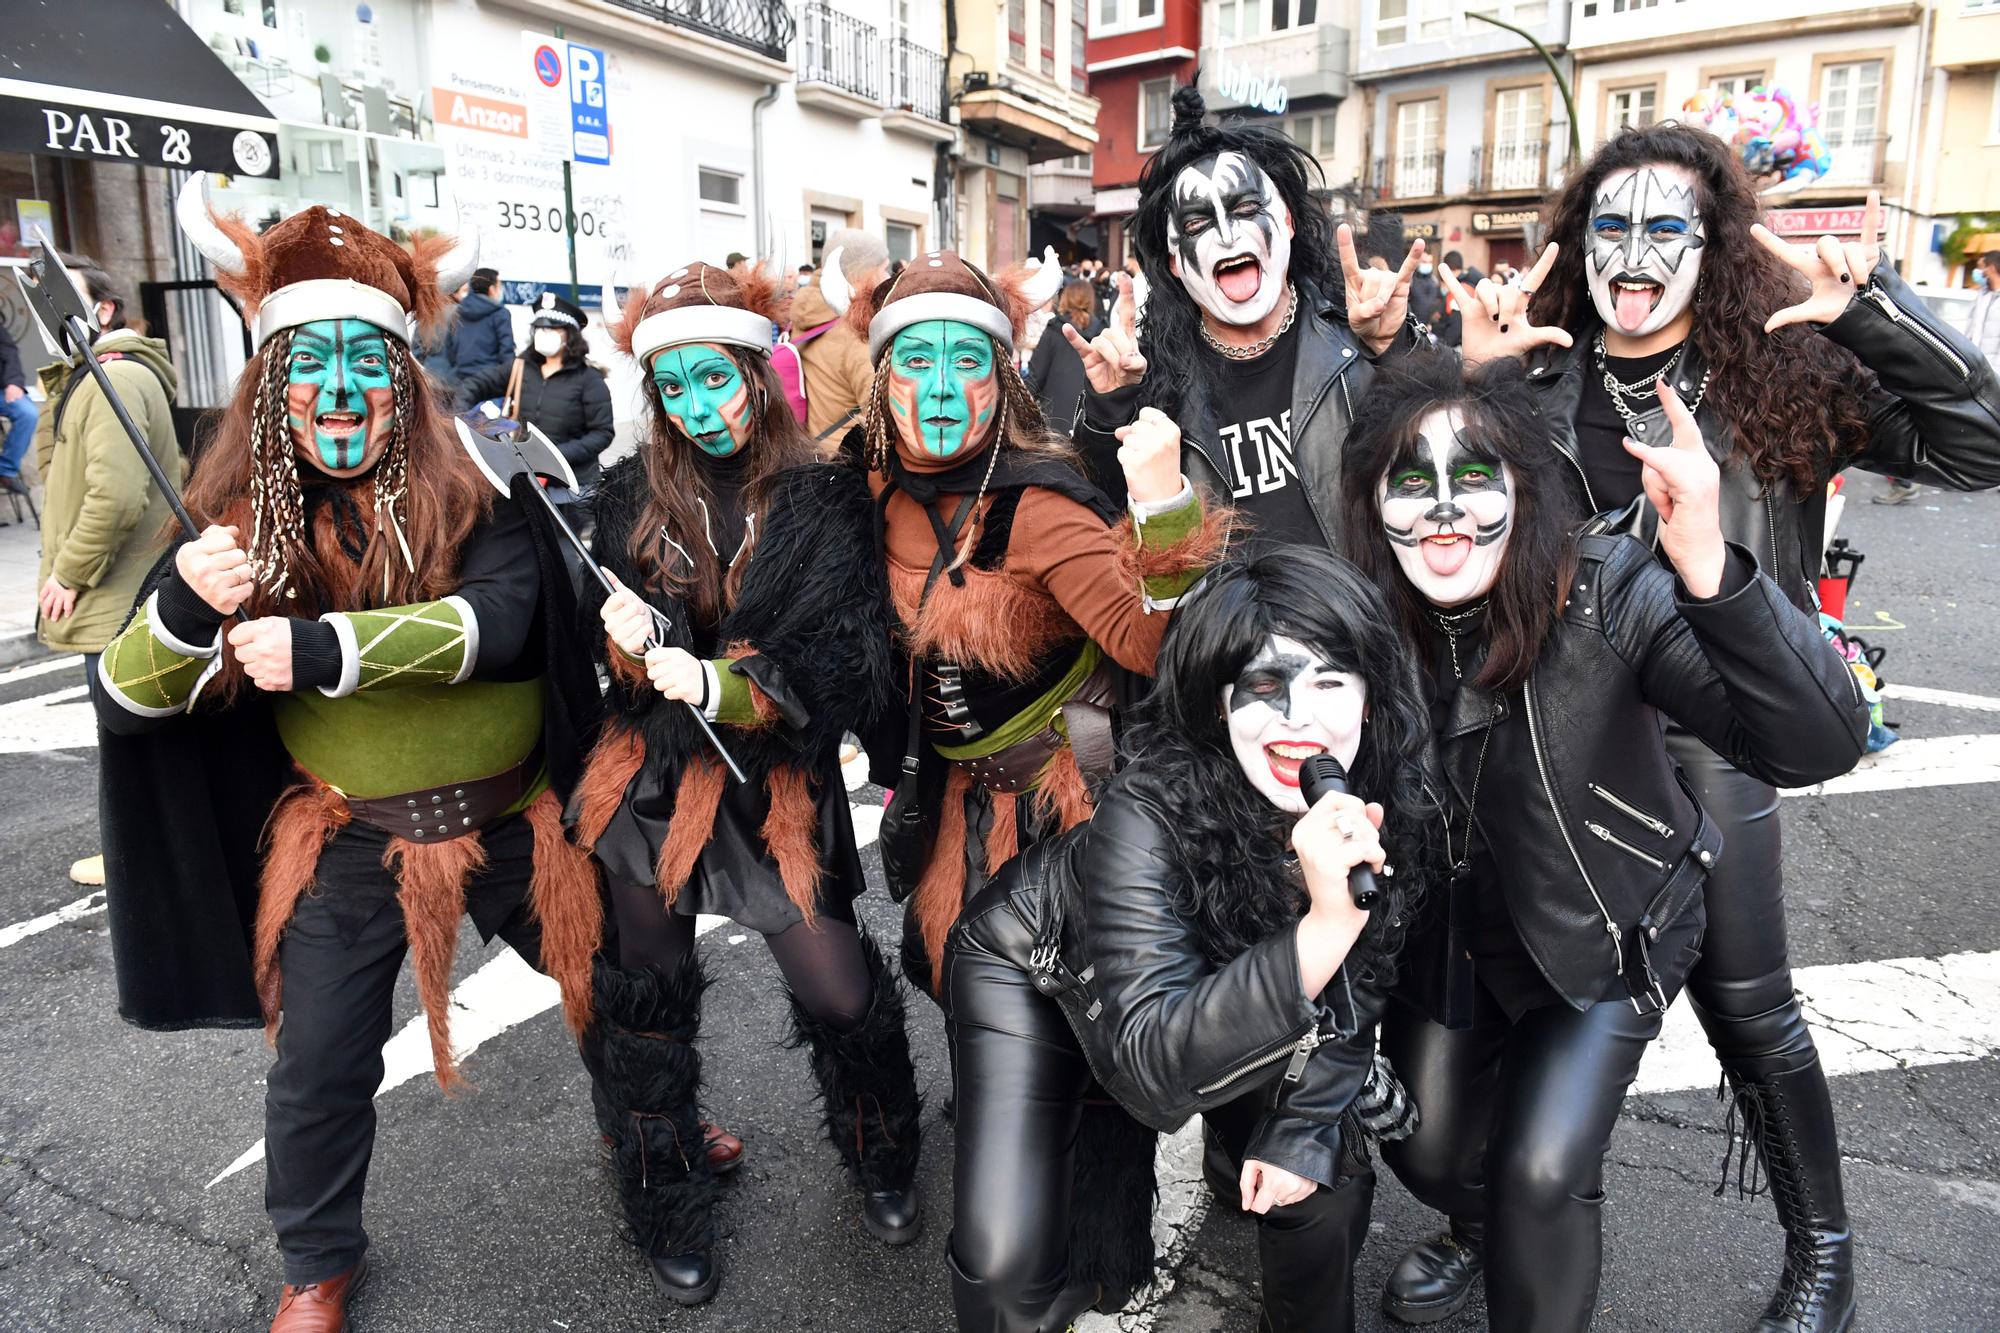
(1496, 322)
(1112, 360)
(1378, 300)
(1836, 271)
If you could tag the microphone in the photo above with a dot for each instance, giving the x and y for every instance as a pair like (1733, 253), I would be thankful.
(1317, 776)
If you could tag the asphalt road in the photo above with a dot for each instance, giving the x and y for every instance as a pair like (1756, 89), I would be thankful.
(490, 1211)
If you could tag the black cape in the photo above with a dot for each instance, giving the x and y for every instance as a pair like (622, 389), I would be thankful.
(182, 807)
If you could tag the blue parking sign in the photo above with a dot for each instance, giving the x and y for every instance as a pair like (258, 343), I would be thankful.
(590, 122)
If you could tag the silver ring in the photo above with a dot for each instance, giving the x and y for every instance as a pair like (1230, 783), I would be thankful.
(1345, 826)
(1527, 291)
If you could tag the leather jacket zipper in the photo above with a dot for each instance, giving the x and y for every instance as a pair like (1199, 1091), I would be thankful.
(1896, 316)
(1251, 1066)
(1302, 1052)
(1548, 789)
(1771, 528)
(1603, 834)
(1633, 812)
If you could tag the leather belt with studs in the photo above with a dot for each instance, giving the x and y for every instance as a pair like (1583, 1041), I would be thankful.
(439, 814)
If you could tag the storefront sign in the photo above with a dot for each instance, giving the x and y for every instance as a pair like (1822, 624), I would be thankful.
(70, 130)
(1814, 221)
(469, 111)
(1236, 81)
(1512, 219)
(1415, 231)
(567, 117)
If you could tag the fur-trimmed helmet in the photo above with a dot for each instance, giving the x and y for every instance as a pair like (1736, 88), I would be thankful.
(699, 303)
(943, 285)
(322, 263)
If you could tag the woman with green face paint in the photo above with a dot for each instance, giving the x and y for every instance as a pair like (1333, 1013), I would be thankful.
(749, 589)
(1021, 597)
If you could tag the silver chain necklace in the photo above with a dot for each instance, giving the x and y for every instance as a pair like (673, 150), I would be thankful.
(1256, 349)
(1620, 391)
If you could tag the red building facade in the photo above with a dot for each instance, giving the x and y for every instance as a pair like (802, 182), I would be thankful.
(1138, 52)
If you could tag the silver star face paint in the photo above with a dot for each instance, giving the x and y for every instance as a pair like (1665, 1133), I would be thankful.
(1447, 508)
(1287, 705)
(1229, 238)
(1642, 247)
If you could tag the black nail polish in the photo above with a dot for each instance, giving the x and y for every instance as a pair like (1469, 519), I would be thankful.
(1503, 328)
(1496, 319)
(1845, 278)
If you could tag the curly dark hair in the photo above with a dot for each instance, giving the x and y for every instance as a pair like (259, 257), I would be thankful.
(1502, 421)
(1794, 400)
(1171, 318)
(1230, 844)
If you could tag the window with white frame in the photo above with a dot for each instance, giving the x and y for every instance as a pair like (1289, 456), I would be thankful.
(1417, 157)
(719, 189)
(1392, 22)
(1735, 85)
(1112, 16)
(1531, 11)
(1631, 106)
(1850, 117)
(1288, 14)
(1433, 19)
(1156, 113)
(1993, 116)
(901, 238)
(1079, 71)
(1314, 133)
(1520, 139)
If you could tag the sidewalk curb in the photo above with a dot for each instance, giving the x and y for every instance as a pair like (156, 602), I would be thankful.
(22, 647)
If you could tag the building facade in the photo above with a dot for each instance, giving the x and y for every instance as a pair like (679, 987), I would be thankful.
(1956, 176)
(1467, 133)
(1140, 51)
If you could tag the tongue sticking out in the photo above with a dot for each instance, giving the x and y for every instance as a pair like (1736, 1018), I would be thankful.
(1240, 283)
(1446, 558)
(1634, 306)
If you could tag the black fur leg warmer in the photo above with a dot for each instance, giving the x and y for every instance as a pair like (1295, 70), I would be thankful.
(1111, 1214)
(867, 1085)
(647, 1076)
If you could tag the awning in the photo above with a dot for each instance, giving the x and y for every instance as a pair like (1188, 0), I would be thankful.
(125, 81)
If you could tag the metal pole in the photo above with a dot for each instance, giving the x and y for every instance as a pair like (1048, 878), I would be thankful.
(79, 335)
(1562, 84)
(569, 209)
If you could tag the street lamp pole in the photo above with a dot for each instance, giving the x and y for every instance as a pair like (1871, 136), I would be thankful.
(1562, 84)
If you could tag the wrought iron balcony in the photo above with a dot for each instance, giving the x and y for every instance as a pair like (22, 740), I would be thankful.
(840, 50)
(1409, 175)
(916, 80)
(763, 26)
(1503, 167)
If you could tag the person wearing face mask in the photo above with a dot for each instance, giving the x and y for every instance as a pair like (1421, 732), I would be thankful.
(339, 720)
(1196, 949)
(1427, 296)
(1576, 852)
(553, 388)
(1020, 594)
(1260, 332)
(1797, 361)
(749, 589)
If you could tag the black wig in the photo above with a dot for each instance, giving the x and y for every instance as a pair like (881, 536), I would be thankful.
(1230, 843)
(1502, 422)
(1171, 318)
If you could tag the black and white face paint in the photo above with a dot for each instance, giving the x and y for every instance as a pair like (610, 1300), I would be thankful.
(1229, 238)
(1643, 244)
(1448, 509)
(1287, 705)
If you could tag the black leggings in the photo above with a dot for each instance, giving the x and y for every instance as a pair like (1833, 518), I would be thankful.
(822, 963)
(1022, 1086)
(1516, 1118)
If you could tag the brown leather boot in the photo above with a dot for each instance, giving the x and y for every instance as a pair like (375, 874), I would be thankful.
(725, 1150)
(319, 1307)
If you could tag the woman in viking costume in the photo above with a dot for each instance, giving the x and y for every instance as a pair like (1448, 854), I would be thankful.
(363, 658)
(749, 590)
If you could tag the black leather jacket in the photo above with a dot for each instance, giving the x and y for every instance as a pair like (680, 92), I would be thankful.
(1602, 850)
(1332, 375)
(1936, 418)
(1088, 917)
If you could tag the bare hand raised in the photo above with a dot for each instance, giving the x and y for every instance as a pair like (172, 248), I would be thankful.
(1378, 301)
(1836, 271)
(1493, 317)
(1149, 449)
(1682, 482)
(1111, 360)
(263, 647)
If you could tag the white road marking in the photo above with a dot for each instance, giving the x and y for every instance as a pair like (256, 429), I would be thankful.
(51, 721)
(29, 670)
(1922, 694)
(1925, 761)
(89, 905)
(1892, 1013)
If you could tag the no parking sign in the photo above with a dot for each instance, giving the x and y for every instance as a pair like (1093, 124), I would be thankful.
(567, 111)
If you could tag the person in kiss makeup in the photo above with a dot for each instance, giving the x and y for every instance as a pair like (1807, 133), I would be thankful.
(1021, 595)
(749, 589)
(1797, 361)
(1195, 949)
(1576, 852)
(339, 720)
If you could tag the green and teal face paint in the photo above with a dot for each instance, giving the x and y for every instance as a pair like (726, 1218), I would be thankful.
(707, 396)
(944, 391)
(340, 397)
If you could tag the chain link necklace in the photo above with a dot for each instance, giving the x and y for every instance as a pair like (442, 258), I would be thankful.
(1256, 349)
(1448, 623)
(1454, 625)
(1642, 389)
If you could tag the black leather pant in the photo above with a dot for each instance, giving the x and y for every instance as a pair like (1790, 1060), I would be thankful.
(1022, 1086)
(1516, 1118)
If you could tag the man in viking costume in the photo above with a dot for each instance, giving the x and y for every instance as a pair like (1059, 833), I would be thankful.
(338, 720)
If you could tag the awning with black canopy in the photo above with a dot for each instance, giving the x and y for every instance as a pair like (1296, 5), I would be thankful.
(125, 81)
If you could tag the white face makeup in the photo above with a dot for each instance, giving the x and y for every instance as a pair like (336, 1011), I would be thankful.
(1229, 238)
(1287, 705)
(1642, 247)
(1448, 509)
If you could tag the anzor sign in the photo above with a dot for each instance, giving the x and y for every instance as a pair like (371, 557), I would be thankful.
(467, 111)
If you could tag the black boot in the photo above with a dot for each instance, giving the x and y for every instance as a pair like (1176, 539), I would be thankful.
(647, 1077)
(1436, 1277)
(1788, 1115)
(868, 1090)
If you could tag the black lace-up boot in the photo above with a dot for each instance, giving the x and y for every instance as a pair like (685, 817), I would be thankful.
(1436, 1277)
